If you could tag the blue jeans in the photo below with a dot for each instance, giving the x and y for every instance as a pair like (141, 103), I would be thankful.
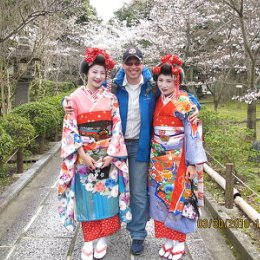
(138, 172)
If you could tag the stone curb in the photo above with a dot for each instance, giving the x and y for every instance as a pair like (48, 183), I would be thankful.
(15, 188)
(236, 237)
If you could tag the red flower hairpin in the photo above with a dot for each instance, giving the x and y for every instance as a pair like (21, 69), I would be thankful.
(91, 54)
(171, 59)
(175, 70)
(156, 70)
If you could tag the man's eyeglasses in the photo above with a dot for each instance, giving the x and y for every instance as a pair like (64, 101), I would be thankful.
(130, 64)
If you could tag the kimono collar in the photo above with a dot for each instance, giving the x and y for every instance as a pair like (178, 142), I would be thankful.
(94, 95)
(168, 98)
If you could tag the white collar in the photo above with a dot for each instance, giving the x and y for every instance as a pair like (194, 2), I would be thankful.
(125, 82)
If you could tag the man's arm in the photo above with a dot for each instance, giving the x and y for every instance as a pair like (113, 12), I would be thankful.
(66, 105)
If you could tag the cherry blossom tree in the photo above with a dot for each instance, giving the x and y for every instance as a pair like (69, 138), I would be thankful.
(245, 31)
(218, 40)
(41, 23)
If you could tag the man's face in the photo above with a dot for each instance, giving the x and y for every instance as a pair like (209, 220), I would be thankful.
(133, 68)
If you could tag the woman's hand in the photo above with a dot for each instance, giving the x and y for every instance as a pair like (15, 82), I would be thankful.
(106, 161)
(193, 118)
(87, 160)
(90, 162)
(191, 172)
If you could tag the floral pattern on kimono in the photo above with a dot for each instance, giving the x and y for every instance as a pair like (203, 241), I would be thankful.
(113, 146)
(176, 143)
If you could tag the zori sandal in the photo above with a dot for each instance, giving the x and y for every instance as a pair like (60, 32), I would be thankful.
(177, 251)
(86, 255)
(164, 252)
(100, 253)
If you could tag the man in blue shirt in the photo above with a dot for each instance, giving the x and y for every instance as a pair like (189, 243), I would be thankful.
(137, 99)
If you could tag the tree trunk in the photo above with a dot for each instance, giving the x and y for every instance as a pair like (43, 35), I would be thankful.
(215, 100)
(56, 136)
(19, 161)
(215, 105)
(8, 94)
(251, 117)
(41, 144)
(251, 64)
(2, 90)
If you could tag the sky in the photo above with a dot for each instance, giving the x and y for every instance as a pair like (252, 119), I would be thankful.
(105, 8)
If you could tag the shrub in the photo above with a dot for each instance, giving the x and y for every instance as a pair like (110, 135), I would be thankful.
(43, 116)
(56, 102)
(229, 143)
(19, 128)
(6, 147)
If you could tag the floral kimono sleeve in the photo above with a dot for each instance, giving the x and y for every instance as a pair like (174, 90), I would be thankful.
(70, 144)
(117, 147)
(195, 153)
(70, 135)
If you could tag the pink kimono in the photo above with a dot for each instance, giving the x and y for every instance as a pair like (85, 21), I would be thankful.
(86, 196)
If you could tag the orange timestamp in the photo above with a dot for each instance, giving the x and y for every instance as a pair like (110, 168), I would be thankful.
(227, 223)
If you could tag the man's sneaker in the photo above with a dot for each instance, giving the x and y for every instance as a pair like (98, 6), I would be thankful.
(137, 247)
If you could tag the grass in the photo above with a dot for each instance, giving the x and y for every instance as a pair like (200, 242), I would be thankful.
(234, 109)
(238, 109)
(247, 171)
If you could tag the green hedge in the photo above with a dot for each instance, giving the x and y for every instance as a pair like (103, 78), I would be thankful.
(6, 147)
(19, 128)
(56, 102)
(43, 116)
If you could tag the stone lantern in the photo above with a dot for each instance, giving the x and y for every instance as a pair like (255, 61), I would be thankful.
(23, 65)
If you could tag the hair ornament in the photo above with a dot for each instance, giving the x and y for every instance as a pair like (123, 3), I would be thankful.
(91, 54)
(172, 60)
(156, 70)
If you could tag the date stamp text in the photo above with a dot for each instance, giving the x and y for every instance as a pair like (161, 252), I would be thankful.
(228, 223)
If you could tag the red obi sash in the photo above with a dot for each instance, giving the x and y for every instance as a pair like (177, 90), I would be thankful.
(94, 116)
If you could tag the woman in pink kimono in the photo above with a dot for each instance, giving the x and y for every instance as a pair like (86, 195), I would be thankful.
(93, 183)
(177, 156)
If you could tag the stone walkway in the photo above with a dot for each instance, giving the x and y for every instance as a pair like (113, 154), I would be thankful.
(30, 228)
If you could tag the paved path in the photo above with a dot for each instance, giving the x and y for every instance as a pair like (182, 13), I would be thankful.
(30, 229)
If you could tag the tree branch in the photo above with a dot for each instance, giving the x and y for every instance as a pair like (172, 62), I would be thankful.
(34, 15)
(27, 20)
